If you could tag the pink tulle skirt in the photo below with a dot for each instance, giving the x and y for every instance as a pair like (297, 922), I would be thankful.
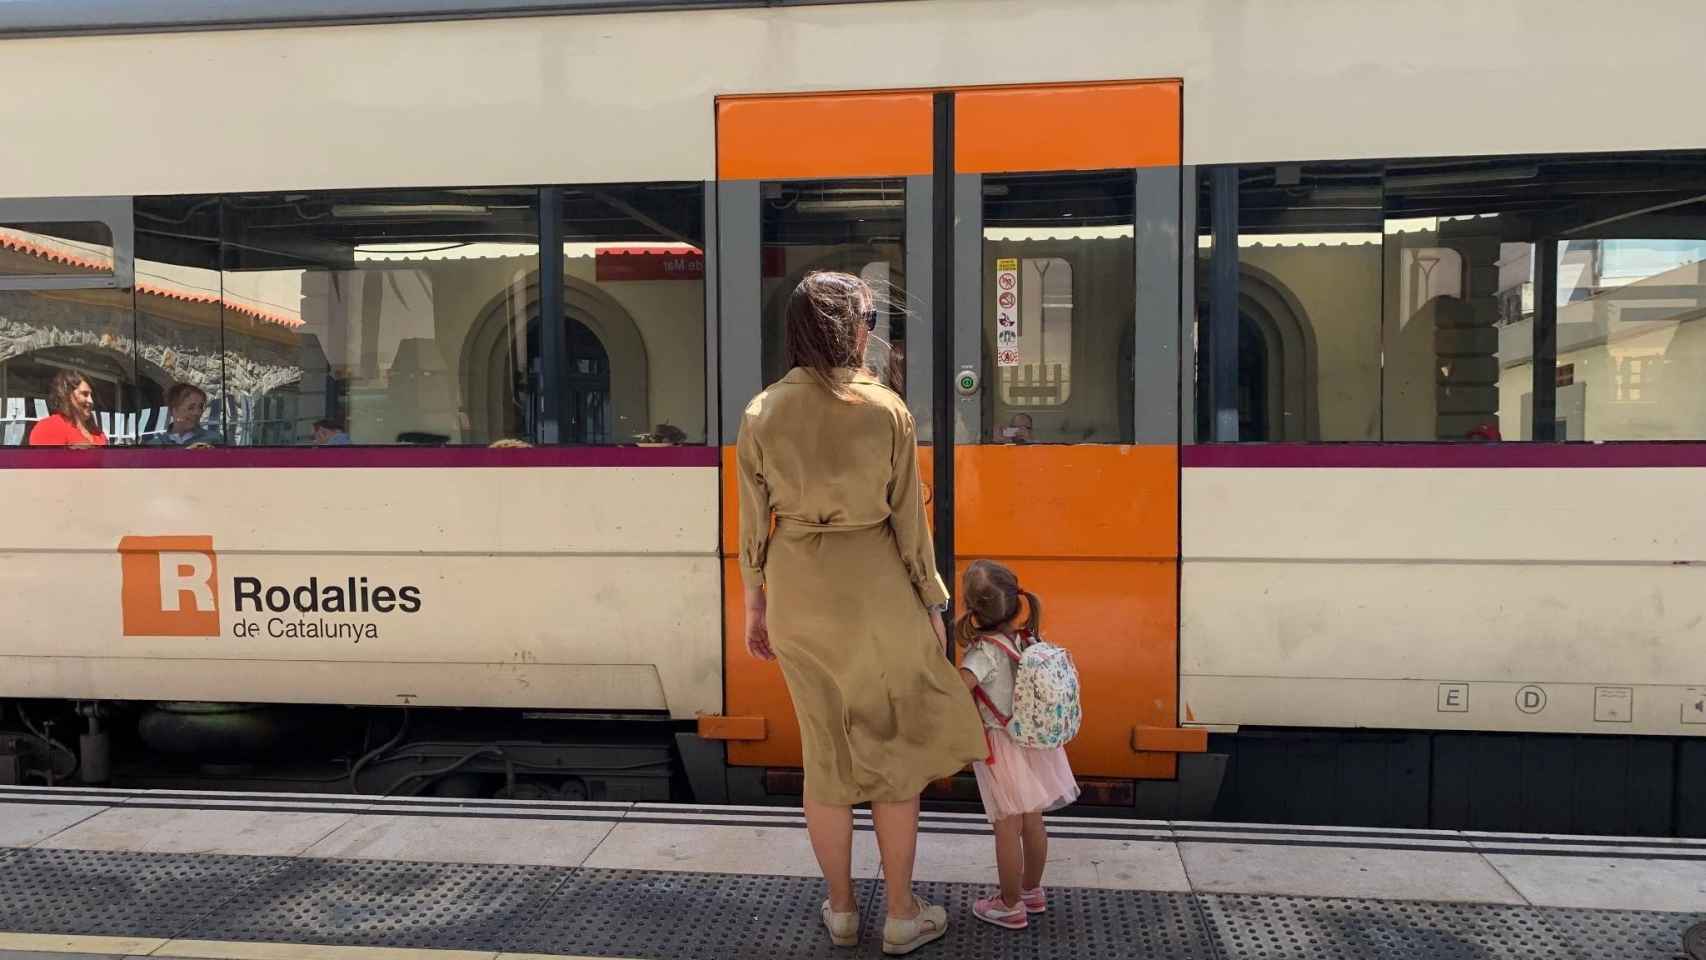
(1020, 780)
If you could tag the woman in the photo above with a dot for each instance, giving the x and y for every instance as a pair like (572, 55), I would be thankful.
(185, 404)
(72, 422)
(844, 593)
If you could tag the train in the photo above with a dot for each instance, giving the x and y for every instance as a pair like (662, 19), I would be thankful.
(1327, 368)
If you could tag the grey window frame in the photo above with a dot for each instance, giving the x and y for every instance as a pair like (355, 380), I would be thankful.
(117, 213)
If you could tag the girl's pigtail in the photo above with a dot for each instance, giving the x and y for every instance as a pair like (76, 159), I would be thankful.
(964, 631)
(1034, 621)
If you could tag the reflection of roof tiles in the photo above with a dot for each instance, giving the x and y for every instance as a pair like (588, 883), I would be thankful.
(186, 296)
(11, 241)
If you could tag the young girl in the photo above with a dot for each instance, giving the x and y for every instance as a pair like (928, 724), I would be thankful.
(1018, 784)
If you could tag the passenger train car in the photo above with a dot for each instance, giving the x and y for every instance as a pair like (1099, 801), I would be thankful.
(1329, 368)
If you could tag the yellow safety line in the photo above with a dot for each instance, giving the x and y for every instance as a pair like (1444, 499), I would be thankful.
(244, 950)
(65, 943)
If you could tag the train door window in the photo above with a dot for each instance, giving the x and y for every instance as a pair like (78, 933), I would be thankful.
(850, 226)
(66, 304)
(376, 317)
(1059, 308)
(634, 313)
(1293, 255)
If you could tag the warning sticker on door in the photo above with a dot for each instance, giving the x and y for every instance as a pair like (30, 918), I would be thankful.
(1007, 312)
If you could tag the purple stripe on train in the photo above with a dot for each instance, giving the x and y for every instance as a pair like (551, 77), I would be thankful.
(1445, 456)
(278, 458)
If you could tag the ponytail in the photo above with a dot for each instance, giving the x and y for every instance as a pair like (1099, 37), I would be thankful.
(964, 631)
(1034, 622)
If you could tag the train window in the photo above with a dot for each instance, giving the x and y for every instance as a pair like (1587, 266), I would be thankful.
(1550, 297)
(1059, 307)
(1631, 352)
(634, 315)
(46, 332)
(65, 306)
(181, 336)
(1457, 335)
(852, 226)
(379, 317)
(1293, 254)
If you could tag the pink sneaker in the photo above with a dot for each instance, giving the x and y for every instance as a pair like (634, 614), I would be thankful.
(1034, 900)
(993, 910)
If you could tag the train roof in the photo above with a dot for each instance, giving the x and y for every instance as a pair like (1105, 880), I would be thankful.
(27, 18)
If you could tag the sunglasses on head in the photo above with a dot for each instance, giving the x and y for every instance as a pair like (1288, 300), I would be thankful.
(871, 319)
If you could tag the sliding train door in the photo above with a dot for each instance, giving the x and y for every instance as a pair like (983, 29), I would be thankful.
(1025, 247)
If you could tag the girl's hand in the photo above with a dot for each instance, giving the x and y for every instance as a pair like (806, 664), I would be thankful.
(757, 628)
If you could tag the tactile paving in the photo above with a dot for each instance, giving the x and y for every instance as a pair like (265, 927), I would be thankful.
(618, 913)
(1623, 935)
(1080, 924)
(93, 892)
(382, 903)
(1298, 928)
(693, 916)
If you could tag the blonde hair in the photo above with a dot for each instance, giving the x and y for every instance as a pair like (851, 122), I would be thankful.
(508, 443)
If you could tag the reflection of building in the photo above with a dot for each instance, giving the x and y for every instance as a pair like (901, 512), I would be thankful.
(1631, 358)
(175, 325)
(411, 343)
(464, 362)
(1425, 332)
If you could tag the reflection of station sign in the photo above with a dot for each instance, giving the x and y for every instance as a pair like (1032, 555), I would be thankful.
(623, 264)
(1007, 312)
(633, 264)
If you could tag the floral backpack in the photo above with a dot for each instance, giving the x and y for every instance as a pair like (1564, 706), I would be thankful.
(1046, 712)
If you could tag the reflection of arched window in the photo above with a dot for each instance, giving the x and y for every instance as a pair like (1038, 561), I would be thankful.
(604, 377)
(586, 384)
(1277, 390)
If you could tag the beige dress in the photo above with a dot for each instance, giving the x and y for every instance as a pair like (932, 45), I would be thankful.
(850, 573)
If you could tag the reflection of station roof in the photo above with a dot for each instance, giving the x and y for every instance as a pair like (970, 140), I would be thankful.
(164, 280)
(431, 252)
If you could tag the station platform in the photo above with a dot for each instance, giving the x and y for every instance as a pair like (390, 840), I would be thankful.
(116, 873)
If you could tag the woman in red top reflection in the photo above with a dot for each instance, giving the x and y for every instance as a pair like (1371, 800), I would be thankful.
(72, 422)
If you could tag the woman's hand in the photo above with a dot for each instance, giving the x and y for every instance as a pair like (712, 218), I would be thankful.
(757, 629)
(937, 621)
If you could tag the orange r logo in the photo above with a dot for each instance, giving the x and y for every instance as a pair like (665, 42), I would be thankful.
(171, 586)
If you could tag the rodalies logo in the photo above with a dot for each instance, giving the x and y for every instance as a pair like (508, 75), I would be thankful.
(171, 586)
(172, 589)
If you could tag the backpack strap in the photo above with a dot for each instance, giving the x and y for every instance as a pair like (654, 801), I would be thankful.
(977, 691)
(995, 711)
(1001, 644)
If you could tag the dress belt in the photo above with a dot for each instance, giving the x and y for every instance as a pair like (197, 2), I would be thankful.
(796, 523)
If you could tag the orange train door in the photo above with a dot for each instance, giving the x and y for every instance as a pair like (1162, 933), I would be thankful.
(1025, 242)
